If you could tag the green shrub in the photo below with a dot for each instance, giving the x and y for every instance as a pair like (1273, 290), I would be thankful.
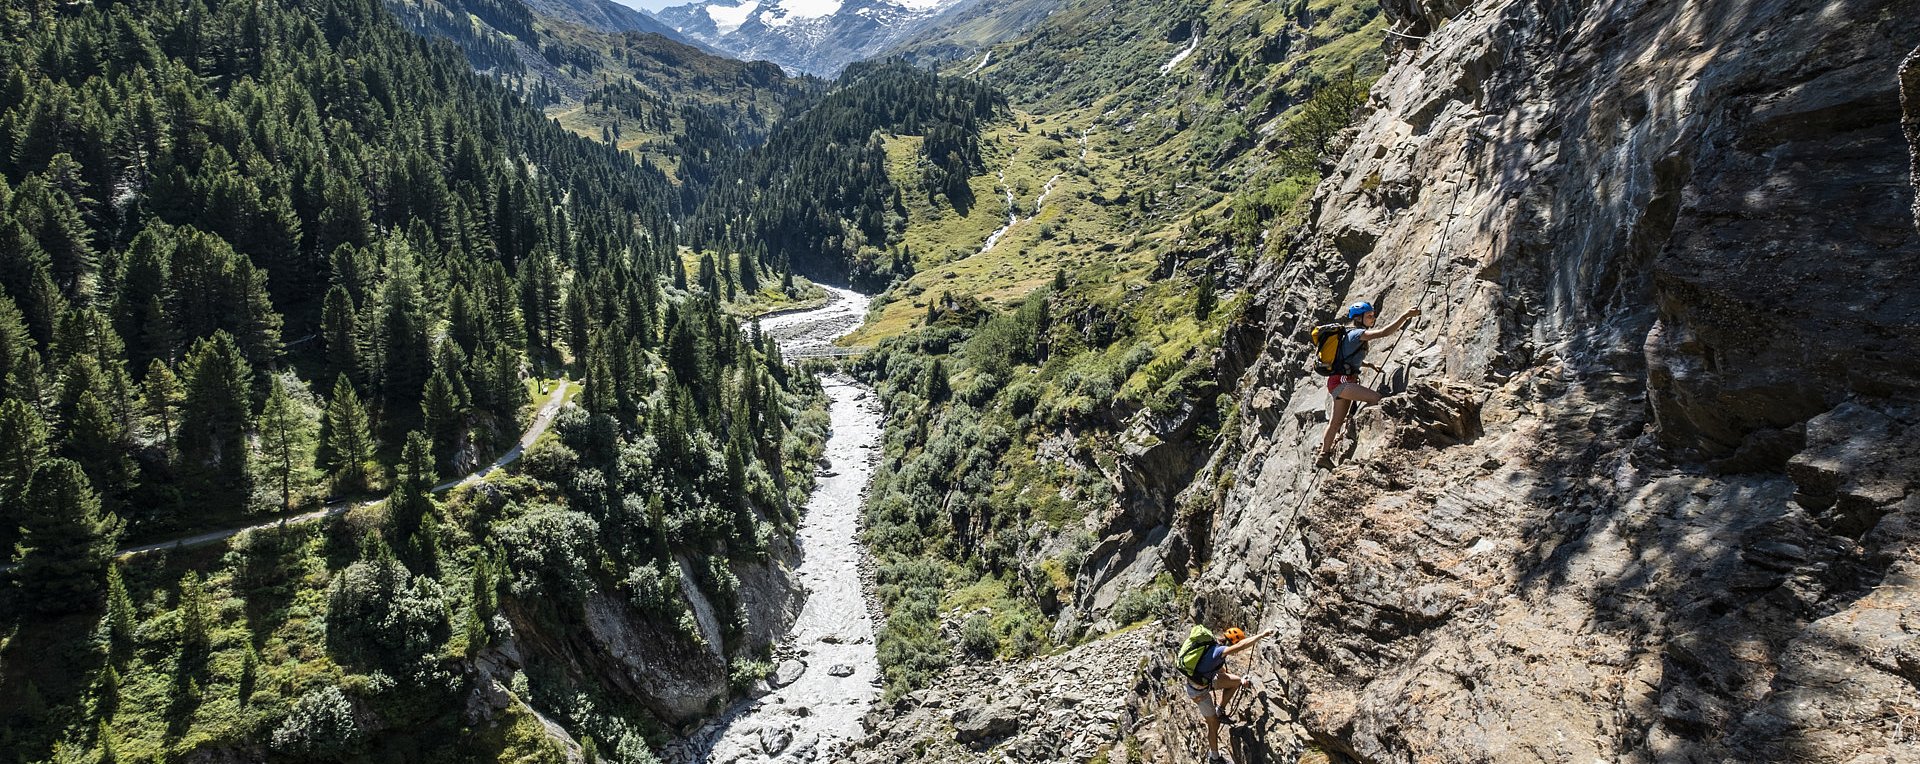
(320, 726)
(977, 638)
(379, 615)
(744, 672)
(550, 552)
(1146, 602)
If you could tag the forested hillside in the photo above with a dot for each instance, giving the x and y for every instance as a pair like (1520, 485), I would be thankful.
(258, 254)
(818, 197)
(676, 106)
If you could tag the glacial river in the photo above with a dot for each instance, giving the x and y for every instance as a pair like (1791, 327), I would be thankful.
(827, 673)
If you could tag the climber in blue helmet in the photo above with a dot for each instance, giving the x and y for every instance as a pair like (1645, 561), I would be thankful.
(1344, 382)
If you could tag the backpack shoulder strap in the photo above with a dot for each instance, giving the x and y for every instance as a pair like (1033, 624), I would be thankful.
(1350, 344)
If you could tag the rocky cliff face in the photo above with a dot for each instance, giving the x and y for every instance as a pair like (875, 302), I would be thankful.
(1649, 490)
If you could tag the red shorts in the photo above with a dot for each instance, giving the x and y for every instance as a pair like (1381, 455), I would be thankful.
(1335, 381)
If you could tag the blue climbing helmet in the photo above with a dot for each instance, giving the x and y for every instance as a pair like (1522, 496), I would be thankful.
(1359, 309)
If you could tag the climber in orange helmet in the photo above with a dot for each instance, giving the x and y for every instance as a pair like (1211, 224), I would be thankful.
(1344, 382)
(1203, 662)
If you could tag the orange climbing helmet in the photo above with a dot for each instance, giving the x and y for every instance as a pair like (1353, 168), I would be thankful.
(1233, 636)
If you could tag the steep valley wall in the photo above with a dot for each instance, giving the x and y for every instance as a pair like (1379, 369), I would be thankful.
(1649, 492)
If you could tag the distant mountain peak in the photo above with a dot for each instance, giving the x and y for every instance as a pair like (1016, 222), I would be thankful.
(811, 36)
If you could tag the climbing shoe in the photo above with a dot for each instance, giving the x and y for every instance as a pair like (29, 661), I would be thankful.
(1325, 462)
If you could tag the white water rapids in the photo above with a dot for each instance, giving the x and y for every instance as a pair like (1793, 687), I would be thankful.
(813, 715)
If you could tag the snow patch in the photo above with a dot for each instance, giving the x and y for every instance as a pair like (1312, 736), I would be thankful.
(1181, 56)
(808, 9)
(727, 18)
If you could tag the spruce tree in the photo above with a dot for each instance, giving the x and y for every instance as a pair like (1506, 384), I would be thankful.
(445, 422)
(412, 497)
(1205, 300)
(340, 332)
(95, 439)
(196, 627)
(19, 363)
(407, 357)
(66, 541)
(121, 617)
(935, 388)
(748, 271)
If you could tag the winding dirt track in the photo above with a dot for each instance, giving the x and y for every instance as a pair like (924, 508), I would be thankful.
(541, 421)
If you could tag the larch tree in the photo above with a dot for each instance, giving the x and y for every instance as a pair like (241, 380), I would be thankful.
(163, 395)
(346, 447)
(286, 445)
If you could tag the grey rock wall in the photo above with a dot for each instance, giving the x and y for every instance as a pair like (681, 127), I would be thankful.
(1910, 105)
(1650, 493)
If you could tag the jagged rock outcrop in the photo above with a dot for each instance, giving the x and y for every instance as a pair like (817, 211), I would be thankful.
(1066, 707)
(677, 677)
(1650, 494)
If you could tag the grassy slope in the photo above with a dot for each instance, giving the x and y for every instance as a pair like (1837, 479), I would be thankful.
(1149, 134)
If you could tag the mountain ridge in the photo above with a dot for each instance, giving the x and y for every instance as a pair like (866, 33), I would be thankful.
(819, 37)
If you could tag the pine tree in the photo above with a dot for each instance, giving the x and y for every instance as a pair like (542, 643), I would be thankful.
(218, 413)
(286, 445)
(340, 333)
(23, 448)
(66, 541)
(121, 617)
(347, 445)
(445, 422)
